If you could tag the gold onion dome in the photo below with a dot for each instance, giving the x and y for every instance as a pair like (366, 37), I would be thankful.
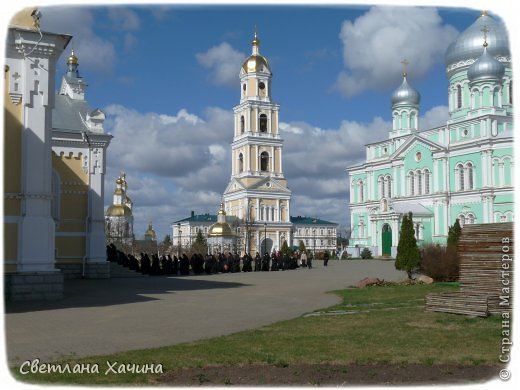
(221, 227)
(256, 62)
(72, 58)
(118, 210)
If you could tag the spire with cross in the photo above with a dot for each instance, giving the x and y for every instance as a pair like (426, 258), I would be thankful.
(405, 63)
(485, 30)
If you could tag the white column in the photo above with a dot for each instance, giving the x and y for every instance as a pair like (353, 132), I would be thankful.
(96, 250)
(280, 158)
(257, 157)
(272, 160)
(403, 180)
(36, 228)
(501, 178)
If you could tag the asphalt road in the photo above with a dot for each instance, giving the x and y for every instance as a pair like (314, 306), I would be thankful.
(99, 317)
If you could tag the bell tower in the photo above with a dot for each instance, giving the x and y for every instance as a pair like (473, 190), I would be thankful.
(257, 193)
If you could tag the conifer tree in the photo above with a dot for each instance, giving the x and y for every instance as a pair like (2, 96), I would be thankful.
(408, 254)
(200, 245)
(454, 233)
(302, 246)
(285, 248)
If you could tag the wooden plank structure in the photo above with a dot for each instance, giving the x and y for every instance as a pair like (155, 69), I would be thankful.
(486, 267)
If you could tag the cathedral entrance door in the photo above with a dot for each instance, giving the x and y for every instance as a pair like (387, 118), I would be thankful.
(386, 238)
(266, 246)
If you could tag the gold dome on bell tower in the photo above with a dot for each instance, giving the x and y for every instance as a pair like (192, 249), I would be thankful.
(72, 60)
(256, 62)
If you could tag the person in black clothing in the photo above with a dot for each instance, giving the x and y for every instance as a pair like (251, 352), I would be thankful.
(309, 261)
(326, 258)
(258, 262)
(247, 260)
(164, 265)
(169, 265)
(236, 262)
(274, 262)
(156, 265)
(286, 261)
(175, 265)
(265, 262)
(184, 265)
(145, 264)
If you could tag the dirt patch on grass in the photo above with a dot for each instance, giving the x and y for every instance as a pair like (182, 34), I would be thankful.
(330, 374)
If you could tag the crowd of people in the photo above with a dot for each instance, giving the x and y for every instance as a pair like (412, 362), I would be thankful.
(198, 264)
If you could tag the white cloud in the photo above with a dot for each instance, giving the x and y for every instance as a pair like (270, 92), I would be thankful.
(124, 18)
(94, 52)
(434, 117)
(376, 42)
(178, 163)
(174, 163)
(223, 62)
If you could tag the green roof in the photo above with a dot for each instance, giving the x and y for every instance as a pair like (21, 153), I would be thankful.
(213, 218)
(199, 218)
(310, 221)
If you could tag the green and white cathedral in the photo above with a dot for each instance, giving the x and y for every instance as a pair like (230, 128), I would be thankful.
(462, 169)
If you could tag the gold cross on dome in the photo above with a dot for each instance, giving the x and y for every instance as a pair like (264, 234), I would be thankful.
(485, 30)
(404, 62)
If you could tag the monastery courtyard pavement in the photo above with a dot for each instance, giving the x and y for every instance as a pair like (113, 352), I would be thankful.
(105, 316)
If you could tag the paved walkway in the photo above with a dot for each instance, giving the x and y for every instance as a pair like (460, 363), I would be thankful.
(105, 316)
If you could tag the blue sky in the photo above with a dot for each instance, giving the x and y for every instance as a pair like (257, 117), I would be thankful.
(167, 77)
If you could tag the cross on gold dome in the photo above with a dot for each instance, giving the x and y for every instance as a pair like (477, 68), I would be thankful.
(484, 13)
(485, 30)
(404, 62)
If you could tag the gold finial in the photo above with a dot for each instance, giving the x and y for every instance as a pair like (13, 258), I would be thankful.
(404, 62)
(484, 13)
(72, 58)
(256, 41)
(485, 30)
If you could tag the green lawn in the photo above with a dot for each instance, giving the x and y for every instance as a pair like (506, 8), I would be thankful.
(381, 324)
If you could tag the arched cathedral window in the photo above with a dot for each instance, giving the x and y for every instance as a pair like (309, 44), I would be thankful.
(264, 161)
(460, 176)
(263, 123)
(469, 167)
(459, 96)
(426, 181)
(419, 183)
(242, 124)
(388, 180)
(361, 192)
(411, 186)
(511, 92)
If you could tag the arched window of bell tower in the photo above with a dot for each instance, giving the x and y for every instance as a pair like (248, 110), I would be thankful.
(240, 163)
(264, 162)
(262, 90)
(242, 124)
(511, 92)
(263, 123)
